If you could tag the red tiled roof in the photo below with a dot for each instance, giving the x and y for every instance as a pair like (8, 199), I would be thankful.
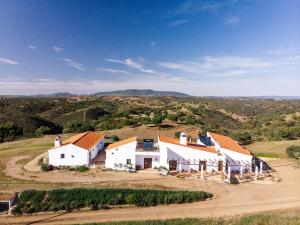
(229, 143)
(189, 145)
(84, 140)
(122, 142)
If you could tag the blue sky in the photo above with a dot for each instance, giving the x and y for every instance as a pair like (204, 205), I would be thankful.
(215, 48)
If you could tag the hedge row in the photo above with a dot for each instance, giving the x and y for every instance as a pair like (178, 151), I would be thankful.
(31, 201)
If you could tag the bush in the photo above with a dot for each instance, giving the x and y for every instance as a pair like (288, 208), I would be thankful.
(293, 151)
(114, 138)
(70, 199)
(82, 169)
(46, 167)
(43, 130)
(177, 134)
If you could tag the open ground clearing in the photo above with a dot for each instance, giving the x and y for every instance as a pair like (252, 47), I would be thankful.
(228, 199)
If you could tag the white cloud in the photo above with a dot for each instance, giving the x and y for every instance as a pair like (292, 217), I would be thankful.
(216, 66)
(231, 20)
(177, 23)
(33, 48)
(57, 49)
(134, 65)
(112, 70)
(8, 61)
(74, 64)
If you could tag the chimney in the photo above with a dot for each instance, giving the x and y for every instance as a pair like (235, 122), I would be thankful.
(183, 139)
(57, 142)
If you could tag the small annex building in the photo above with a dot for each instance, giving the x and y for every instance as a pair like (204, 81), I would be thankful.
(213, 154)
(78, 150)
(7, 201)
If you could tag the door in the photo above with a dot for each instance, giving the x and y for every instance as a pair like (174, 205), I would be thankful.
(220, 166)
(204, 165)
(147, 163)
(172, 165)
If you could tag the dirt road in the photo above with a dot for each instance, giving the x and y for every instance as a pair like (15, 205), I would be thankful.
(229, 200)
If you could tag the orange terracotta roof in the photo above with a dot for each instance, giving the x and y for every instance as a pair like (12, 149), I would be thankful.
(229, 143)
(189, 145)
(84, 140)
(7, 196)
(122, 142)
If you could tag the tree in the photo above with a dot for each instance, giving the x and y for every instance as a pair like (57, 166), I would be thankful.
(9, 130)
(177, 134)
(43, 130)
(157, 119)
(243, 137)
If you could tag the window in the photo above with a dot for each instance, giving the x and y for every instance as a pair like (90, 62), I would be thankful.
(128, 161)
(62, 156)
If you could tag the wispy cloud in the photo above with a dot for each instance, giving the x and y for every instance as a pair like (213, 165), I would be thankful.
(33, 48)
(111, 70)
(152, 43)
(217, 66)
(194, 6)
(8, 61)
(231, 20)
(57, 49)
(139, 66)
(73, 64)
(177, 23)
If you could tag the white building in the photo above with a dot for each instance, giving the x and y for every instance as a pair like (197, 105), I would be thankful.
(235, 155)
(178, 154)
(77, 150)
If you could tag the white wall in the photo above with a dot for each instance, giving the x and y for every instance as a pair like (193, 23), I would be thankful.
(235, 159)
(187, 157)
(94, 151)
(119, 155)
(74, 156)
(140, 159)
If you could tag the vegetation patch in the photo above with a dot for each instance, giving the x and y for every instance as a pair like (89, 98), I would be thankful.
(32, 201)
(267, 155)
(257, 219)
(293, 151)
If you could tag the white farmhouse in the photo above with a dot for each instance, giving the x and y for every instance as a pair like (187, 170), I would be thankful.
(178, 154)
(77, 150)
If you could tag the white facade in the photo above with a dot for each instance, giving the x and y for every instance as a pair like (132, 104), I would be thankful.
(121, 156)
(73, 155)
(187, 158)
(237, 161)
(179, 155)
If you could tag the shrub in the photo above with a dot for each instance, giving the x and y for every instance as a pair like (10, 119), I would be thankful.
(70, 199)
(293, 151)
(46, 167)
(82, 169)
(177, 134)
(114, 138)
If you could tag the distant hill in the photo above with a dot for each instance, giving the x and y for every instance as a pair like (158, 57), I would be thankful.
(59, 94)
(140, 92)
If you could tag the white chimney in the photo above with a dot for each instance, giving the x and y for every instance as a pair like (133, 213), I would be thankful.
(183, 139)
(57, 142)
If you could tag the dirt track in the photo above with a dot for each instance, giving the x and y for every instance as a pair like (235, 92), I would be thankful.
(229, 200)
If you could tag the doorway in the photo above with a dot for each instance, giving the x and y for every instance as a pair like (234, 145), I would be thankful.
(147, 163)
(220, 166)
(204, 165)
(172, 165)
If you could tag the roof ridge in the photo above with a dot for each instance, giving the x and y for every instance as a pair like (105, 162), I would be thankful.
(83, 135)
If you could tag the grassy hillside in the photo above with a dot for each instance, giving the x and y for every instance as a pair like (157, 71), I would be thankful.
(262, 119)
